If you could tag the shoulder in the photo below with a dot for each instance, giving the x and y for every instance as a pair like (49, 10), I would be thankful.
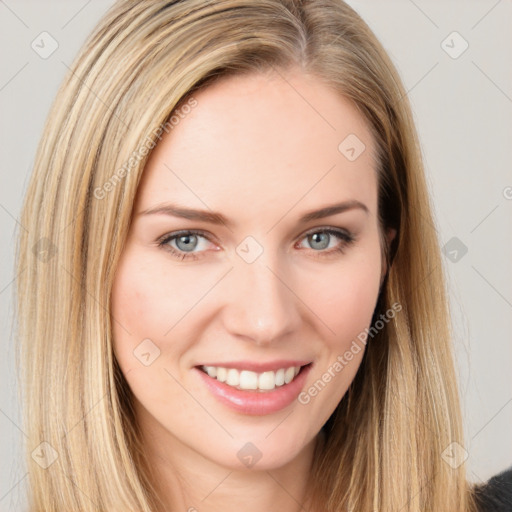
(496, 494)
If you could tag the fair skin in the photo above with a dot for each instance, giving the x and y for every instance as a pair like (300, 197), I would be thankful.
(262, 151)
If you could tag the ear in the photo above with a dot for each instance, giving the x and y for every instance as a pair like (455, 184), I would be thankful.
(389, 237)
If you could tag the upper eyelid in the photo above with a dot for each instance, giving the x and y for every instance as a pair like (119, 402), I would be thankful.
(327, 228)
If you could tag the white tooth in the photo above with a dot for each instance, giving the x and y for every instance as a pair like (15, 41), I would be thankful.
(248, 380)
(289, 374)
(221, 374)
(211, 371)
(233, 377)
(267, 380)
(280, 377)
(297, 370)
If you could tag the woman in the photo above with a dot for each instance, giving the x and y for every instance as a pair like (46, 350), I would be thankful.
(206, 164)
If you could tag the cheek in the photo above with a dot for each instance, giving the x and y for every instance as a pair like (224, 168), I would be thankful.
(138, 309)
(344, 303)
(152, 300)
(146, 297)
(152, 294)
(346, 296)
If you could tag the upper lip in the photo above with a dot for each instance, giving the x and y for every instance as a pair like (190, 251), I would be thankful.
(258, 367)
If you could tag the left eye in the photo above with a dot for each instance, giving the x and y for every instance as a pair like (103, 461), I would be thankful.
(320, 239)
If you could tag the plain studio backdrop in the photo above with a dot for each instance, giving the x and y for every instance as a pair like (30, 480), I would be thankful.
(455, 60)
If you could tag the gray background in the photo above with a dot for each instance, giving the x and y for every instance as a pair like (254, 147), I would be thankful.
(463, 110)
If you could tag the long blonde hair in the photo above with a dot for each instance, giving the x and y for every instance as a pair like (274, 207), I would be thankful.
(142, 64)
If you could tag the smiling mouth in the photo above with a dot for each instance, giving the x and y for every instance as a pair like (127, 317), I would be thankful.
(247, 380)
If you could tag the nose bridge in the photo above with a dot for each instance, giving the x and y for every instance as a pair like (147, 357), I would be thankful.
(260, 306)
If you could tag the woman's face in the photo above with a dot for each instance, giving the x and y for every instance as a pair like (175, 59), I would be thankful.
(228, 270)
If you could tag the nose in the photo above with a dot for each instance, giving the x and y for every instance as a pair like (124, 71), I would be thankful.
(259, 304)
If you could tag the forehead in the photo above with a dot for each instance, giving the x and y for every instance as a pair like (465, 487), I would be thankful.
(263, 143)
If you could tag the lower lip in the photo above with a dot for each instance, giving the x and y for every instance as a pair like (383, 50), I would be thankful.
(256, 402)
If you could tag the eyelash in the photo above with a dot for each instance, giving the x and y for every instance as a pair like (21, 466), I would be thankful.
(347, 239)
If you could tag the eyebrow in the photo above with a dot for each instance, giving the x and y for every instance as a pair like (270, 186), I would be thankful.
(217, 218)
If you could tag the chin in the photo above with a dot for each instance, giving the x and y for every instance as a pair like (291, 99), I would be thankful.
(263, 452)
